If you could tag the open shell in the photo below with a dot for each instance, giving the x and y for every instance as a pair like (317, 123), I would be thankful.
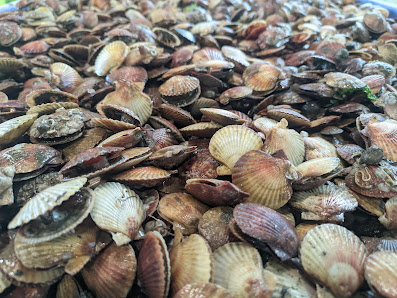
(180, 91)
(64, 76)
(336, 257)
(119, 210)
(191, 262)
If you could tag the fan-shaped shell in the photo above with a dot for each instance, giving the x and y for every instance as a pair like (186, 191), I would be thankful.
(180, 90)
(265, 178)
(41, 96)
(49, 108)
(143, 176)
(228, 144)
(202, 290)
(112, 273)
(381, 273)
(14, 128)
(343, 81)
(389, 217)
(191, 262)
(336, 257)
(239, 269)
(316, 147)
(383, 134)
(261, 77)
(64, 76)
(319, 166)
(111, 57)
(119, 210)
(46, 200)
(221, 116)
(201, 129)
(154, 269)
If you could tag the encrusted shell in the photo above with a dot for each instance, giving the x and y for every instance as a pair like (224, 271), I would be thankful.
(228, 144)
(119, 210)
(111, 57)
(336, 257)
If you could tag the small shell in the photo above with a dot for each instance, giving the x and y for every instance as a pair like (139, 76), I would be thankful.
(381, 273)
(343, 81)
(229, 143)
(4, 282)
(383, 135)
(133, 156)
(35, 47)
(112, 273)
(264, 124)
(375, 22)
(49, 108)
(41, 96)
(143, 176)
(117, 112)
(318, 167)
(178, 115)
(233, 94)
(180, 91)
(182, 210)
(221, 116)
(288, 140)
(261, 77)
(64, 76)
(239, 269)
(111, 57)
(128, 74)
(154, 269)
(119, 210)
(389, 218)
(202, 290)
(336, 257)
(207, 54)
(327, 202)
(191, 262)
(349, 151)
(12, 129)
(126, 138)
(171, 156)
(266, 225)
(111, 124)
(45, 201)
(265, 178)
(201, 129)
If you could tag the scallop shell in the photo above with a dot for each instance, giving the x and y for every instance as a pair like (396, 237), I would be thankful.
(201, 129)
(383, 134)
(180, 91)
(261, 77)
(46, 200)
(381, 273)
(12, 129)
(207, 54)
(182, 210)
(202, 290)
(126, 138)
(49, 108)
(117, 112)
(68, 286)
(265, 178)
(349, 151)
(239, 269)
(318, 167)
(288, 140)
(221, 116)
(41, 96)
(178, 115)
(389, 217)
(4, 282)
(264, 124)
(119, 210)
(326, 202)
(112, 273)
(342, 80)
(143, 176)
(336, 257)
(133, 156)
(128, 74)
(154, 268)
(229, 143)
(191, 262)
(111, 57)
(266, 225)
(294, 118)
(64, 76)
(111, 124)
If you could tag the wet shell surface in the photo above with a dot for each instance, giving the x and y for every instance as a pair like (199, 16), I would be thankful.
(228, 144)
(191, 262)
(143, 176)
(119, 210)
(202, 290)
(64, 76)
(261, 77)
(45, 201)
(14, 128)
(180, 91)
(336, 257)
(381, 273)
(112, 273)
(383, 135)
(267, 179)
(244, 279)
(154, 270)
(111, 57)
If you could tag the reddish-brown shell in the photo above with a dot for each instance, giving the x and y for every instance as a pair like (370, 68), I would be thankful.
(261, 77)
(35, 47)
(128, 74)
(143, 176)
(180, 90)
(265, 224)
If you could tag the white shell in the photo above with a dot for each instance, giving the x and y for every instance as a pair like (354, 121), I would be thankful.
(111, 57)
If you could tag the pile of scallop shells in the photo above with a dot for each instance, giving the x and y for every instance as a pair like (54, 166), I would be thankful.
(198, 148)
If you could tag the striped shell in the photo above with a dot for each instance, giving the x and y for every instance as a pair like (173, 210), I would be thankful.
(261, 77)
(111, 57)
(12, 129)
(383, 134)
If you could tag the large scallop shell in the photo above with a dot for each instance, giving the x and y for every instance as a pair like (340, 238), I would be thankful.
(239, 269)
(119, 210)
(228, 144)
(154, 269)
(326, 202)
(202, 290)
(111, 57)
(383, 134)
(381, 273)
(288, 140)
(191, 262)
(334, 256)
(12, 129)
(112, 273)
(267, 179)
(316, 147)
(266, 225)
(46, 200)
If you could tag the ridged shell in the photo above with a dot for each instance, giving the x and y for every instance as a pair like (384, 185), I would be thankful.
(266, 225)
(191, 262)
(239, 269)
(41, 96)
(202, 290)
(318, 167)
(143, 176)
(384, 135)
(326, 202)
(343, 81)
(207, 54)
(49, 108)
(264, 124)
(64, 76)
(261, 77)
(118, 210)
(265, 178)
(12, 129)
(334, 256)
(389, 217)
(112, 273)
(111, 57)
(349, 151)
(293, 117)
(154, 268)
(228, 144)
(46, 200)
(128, 74)
(111, 124)
(221, 116)
(201, 129)
(126, 138)
(288, 140)
(180, 91)
(381, 273)
(178, 115)
(4, 282)
(67, 287)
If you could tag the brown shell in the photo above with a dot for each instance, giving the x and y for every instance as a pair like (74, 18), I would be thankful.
(34, 47)
(143, 176)
(126, 138)
(10, 33)
(383, 135)
(111, 124)
(207, 54)
(171, 156)
(64, 76)
(294, 118)
(158, 122)
(178, 115)
(389, 218)
(264, 224)
(202, 290)
(261, 77)
(128, 74)
(201, 129)
(119, 113)
(180, 90)
(48, 95)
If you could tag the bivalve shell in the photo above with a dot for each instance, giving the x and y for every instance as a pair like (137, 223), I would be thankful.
(389, 217)
(202, 290)
(111, 57)
(143, 176)
(262, 77)
(14, 128)
(180, 91)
